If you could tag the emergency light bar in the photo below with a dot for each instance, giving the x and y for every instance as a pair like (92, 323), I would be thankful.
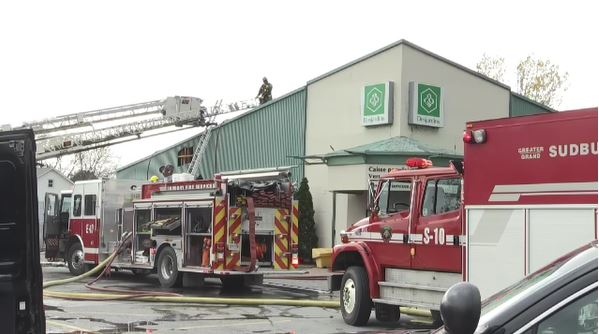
(475, 137)
(419, 163)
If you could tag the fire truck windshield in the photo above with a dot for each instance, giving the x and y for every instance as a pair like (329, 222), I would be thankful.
(395, 196)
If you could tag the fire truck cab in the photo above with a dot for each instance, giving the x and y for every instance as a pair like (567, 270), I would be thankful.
(525, 194)
(82, 226)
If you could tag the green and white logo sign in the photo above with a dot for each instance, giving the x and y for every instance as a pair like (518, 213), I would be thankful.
(377, 104)
(426, 105)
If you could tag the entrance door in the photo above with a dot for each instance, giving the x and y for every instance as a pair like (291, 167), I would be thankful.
(21, 303)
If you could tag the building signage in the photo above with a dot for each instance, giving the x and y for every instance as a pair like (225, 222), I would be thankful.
(377, 104)
(374, 172)
(426, 105)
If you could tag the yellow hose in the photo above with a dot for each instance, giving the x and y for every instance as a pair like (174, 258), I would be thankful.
(197, 300)
(92, 272)
(171, 299)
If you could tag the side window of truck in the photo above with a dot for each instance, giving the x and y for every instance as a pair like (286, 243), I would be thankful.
(395, 196)
(441, 196)
(90, 205)
(77, 206)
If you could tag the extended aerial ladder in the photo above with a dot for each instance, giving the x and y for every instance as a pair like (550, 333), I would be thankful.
(84, 131)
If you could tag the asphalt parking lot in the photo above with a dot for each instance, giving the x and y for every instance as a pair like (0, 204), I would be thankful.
(126, 316)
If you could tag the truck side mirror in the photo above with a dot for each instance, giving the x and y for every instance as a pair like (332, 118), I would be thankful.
(460, 308)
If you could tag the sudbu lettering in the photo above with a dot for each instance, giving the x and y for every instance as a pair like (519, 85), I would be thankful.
(572, 150)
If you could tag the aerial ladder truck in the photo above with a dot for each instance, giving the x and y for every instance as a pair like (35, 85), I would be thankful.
(237, 226)
(84, 131)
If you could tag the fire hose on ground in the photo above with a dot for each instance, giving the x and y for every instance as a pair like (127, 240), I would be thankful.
(167, 297)
(148, 296)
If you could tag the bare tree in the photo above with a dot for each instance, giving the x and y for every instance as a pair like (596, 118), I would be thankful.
(542, 81)
(493, 67)
(537, 79)
(86, 165)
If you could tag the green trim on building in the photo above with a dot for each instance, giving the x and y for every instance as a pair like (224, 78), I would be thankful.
(268, 136)
(520, 105)
(390, 151)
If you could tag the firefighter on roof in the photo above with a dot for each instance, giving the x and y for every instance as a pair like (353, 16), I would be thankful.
(265, 92)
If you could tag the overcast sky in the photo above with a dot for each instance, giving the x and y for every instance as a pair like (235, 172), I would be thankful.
(61, 57)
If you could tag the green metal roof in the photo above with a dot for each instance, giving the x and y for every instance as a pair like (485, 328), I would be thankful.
(521, 105)
(267, 136)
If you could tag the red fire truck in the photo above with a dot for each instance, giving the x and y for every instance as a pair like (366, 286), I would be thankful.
(237, 227)
(525, 193)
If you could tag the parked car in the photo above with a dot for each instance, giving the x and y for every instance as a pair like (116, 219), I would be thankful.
(560, 298)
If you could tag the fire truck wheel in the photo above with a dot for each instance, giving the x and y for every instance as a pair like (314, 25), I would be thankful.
(75, 260)
(354, 296)
(386, 313)
(168, 273)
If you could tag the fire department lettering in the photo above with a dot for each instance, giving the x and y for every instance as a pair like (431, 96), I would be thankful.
(438, 236)
(571, 150)
(90, 228)
(196, 186)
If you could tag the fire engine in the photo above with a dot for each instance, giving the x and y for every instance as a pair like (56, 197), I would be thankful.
(525, 193)
(237, 226)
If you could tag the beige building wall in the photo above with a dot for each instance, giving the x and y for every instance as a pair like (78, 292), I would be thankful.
(333, 106)
(333, 120)
(466, 97)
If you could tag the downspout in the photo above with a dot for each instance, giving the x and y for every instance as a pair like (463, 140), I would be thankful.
(333, 219)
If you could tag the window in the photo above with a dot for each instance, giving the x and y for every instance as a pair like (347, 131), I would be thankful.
(395, 196)
(441, 196)
(50, 183)
(65, 206)
(77, 206)
(90, 205)
(184, 156)
(578, 317)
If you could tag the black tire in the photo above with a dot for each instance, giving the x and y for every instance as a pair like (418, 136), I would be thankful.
(386, 313)
(75, 260)
(235, 282)
(168, 273)
(354, 297)
(437, 320)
